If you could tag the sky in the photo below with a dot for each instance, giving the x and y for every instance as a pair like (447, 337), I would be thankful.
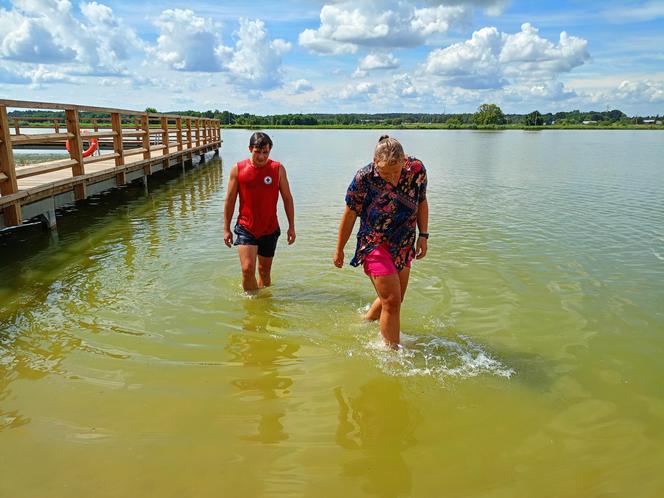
(310, 56)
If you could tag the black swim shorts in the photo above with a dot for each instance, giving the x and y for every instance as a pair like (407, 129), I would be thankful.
(267, 244)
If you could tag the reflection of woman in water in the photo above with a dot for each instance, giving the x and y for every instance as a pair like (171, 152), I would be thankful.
(389, 196)
(378, 423)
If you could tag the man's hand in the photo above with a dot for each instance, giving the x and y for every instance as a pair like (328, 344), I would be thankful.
(421, 249)
(291, 235)
(338, 259)
(228, 238)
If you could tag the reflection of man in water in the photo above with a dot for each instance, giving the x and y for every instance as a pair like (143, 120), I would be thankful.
(257, 349)
(378, 422)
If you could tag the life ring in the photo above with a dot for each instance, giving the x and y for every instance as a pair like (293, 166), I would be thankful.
(94, 144)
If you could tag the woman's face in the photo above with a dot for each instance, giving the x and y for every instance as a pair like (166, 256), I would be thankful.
(386, 166)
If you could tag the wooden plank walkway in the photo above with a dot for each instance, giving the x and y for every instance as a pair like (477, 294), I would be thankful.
(176, 140)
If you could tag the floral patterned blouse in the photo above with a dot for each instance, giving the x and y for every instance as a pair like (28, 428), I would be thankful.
(387, 213)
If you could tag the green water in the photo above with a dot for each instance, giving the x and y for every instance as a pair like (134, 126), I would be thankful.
(131, 364)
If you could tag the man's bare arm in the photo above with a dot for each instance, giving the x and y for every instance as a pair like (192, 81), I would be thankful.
(229, 206)
(289, 205)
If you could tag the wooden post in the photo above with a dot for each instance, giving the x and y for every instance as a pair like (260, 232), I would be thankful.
(12, 213)
(118, 147)
(189, 144)
(56, 125)
(17, 126)
(198, 132)
(205, 130)
(95, 125)
(178, 125)
(76, 151)
(145, 126)
(164, 136)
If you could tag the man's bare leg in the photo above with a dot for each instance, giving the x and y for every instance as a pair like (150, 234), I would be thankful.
(374, 310)
(248, 263)
(264, 268)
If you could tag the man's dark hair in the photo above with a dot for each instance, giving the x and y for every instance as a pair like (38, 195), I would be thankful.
(260, 140)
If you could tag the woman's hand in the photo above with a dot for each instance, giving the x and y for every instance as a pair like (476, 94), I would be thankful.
(338, 259)
(421, 248)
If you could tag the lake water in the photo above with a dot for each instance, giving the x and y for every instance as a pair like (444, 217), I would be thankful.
(131, 363)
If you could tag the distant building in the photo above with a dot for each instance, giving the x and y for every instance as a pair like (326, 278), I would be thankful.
(648, 121)
(589, 122)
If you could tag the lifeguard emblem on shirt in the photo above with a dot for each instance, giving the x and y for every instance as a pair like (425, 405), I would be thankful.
(267, 180)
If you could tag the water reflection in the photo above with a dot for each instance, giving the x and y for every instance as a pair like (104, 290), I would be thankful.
(267, 389)
(379, 423)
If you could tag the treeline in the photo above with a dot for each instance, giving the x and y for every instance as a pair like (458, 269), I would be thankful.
(486, 115)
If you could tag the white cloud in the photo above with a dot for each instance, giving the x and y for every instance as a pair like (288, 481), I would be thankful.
(358, 91)
(647, 11)
(378, 61)
(12, 77)
(301, 86)
(639, 91)
(347, 25)
(256, 61)
(540, 91)
(48, 32)
(187, 42)
(31, 42)
(491, 59)
(109, 41)
(42, 74)
(528, 52)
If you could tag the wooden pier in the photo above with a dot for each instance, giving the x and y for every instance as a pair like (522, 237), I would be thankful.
(132, 145)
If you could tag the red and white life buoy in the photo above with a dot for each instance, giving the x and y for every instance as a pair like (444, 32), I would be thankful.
(94, 144)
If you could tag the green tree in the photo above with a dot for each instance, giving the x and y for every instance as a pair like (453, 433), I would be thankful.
(534, 119)
(454, 122)
(150, 110)
(489, 114)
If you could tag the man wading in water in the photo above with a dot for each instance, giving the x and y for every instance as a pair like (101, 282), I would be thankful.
(258, 181)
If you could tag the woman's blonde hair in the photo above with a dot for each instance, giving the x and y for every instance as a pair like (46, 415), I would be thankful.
(388, 152)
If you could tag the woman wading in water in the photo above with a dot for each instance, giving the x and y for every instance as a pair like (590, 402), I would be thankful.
(389, 196)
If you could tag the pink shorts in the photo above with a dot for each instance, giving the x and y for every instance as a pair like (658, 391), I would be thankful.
(378, 262)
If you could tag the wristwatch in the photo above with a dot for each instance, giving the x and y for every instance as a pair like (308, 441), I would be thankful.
(424, 235)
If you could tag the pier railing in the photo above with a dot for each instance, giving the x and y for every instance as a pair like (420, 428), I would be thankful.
(120, 133)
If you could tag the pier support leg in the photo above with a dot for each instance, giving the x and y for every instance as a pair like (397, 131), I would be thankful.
(144, 181)
(48, 220)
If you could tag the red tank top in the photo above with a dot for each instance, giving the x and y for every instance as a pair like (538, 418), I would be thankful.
(259, 192)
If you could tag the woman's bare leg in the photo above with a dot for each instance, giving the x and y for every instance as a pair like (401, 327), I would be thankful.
(388, 289)
(374, 310)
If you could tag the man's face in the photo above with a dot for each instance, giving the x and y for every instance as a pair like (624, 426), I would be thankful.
(259, 155)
